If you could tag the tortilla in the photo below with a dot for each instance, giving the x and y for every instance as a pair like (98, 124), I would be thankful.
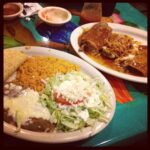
(12, 60)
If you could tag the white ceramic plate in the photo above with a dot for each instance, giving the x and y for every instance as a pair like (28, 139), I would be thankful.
(70, 136)
(137, 34)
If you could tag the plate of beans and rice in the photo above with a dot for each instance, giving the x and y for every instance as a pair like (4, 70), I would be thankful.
(51, 96)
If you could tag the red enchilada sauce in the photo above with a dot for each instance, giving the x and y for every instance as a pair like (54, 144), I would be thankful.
(110, 63)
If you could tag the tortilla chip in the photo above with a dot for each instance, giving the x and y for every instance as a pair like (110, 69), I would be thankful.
(12, 60)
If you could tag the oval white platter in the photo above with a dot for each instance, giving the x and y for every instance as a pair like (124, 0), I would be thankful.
(68, 136)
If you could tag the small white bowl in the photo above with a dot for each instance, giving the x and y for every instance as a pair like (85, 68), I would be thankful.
(54, 16)
(13, 15)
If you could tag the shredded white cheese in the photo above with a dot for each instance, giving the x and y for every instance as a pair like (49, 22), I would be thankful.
(77, 89)
(84, 114)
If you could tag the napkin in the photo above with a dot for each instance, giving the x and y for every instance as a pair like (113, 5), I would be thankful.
(30, 9)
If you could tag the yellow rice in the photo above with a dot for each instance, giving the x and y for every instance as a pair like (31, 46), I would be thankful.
(36, 68)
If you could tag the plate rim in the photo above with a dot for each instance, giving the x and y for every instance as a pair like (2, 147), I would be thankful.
(100, 67)
(26, 134)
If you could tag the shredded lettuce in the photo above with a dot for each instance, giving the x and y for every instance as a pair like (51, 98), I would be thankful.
(48, 102)
(67, 118)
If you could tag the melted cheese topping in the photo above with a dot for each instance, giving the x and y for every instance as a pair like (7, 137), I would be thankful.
(26, 105)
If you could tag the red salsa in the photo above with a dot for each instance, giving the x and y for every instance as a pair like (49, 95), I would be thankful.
(10, 9)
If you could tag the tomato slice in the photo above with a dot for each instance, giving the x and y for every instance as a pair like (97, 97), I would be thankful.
(63, 101)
